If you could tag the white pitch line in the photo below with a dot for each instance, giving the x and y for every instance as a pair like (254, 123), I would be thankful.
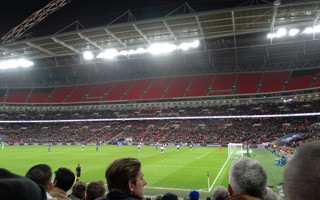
(219, 174)
(179, 166)
(163, 188)
(203, 155)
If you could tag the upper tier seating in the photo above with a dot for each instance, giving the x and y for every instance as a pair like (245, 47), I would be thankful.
(274, 81)
(247, 83)
(168, 87)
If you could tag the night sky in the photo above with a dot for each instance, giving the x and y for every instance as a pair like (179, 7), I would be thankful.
(93, 13)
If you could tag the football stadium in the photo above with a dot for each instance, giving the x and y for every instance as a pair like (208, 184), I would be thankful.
(204, 96)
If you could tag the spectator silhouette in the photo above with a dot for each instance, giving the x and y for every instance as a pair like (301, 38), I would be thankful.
(220, 193)
(15, 187)
(169, 196)
(95, 190)
(64, 179)
(42, 175)
(78, 191)
(247, 180)
(194, 195)
(302, 173)
(125, 179)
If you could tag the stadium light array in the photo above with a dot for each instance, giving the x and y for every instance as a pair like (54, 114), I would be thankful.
(15, 63)
(154, 49)
(88, 55)
(293, 32)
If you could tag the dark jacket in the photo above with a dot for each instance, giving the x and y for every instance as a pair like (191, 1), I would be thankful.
(119, 196)
(15, 187)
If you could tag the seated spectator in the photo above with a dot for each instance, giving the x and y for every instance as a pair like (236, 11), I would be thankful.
(64, 179)
(247, 180)
(271, 195)
(125, 179)
(78, 191)
(15, 187)
(169, 196)
(95, 190)
(42, 175)
(194, 195)
(220, 193)
(302, 173)
(157, 197)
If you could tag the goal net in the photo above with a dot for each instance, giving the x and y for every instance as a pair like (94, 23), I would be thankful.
(235, 149)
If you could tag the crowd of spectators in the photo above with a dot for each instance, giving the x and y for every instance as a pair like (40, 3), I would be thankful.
(202, 132)
(254, 130)
(92, 112)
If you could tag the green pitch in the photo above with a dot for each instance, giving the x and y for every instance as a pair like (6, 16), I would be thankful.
(174, 171)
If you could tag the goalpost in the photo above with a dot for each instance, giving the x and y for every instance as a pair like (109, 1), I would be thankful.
(235, 150)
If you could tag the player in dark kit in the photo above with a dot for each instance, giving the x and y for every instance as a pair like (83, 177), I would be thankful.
(78, 172)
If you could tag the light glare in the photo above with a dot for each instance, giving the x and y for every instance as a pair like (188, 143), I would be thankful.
(156, 49)
(88, 55)
(281, 32)
(293, 32)
(15, 63)
(308, 30)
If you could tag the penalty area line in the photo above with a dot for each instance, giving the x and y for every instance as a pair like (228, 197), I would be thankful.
(218, 174)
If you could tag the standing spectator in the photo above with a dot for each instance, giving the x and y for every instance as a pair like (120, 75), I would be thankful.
(302, 173)
(42, 175)
(247, 180)
(64, 179)
(125, 179)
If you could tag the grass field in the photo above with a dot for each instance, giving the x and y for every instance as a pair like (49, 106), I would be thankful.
(177, 172)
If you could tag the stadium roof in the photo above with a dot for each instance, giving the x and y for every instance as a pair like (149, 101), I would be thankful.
(232, 36)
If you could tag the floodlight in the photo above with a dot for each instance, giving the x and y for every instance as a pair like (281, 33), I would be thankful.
(123, 53)
(195, 43)
(141, 50)
(281, 32)
(293, 32)
(15, 63)
(24, 63)
(161, 48)
(316, 29)
(184, 46)
(108, 54)
(308, 30)
(88, 55)
(131, 52)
